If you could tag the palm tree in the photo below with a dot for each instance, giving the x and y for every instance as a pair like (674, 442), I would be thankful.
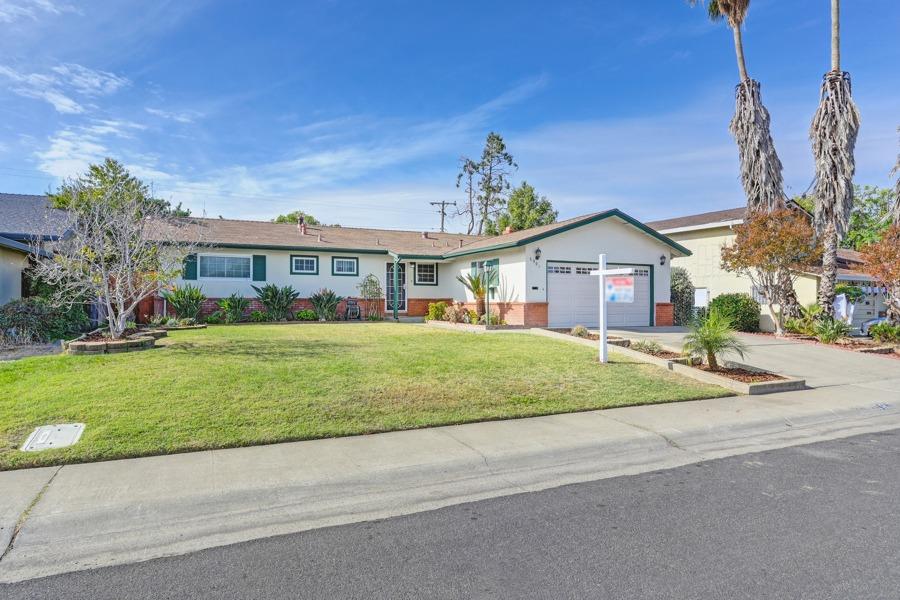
(895, 211)
(477, 285)
(761, 169)
(833, 135)
(711, 336)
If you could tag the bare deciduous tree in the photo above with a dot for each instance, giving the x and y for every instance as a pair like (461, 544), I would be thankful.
(117, 250)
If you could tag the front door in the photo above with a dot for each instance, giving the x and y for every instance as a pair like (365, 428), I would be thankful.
(389, 287)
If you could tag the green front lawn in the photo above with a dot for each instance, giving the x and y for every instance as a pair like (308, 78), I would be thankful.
(256, 384)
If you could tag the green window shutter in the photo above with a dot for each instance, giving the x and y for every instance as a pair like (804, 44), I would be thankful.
(189, 269)
(259, 267)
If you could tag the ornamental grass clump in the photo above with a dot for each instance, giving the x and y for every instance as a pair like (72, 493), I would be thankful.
(325, 302)
(712, 337)
(233, 308)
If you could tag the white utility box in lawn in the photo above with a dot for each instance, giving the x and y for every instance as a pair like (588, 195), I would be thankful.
(47, 437)
(615, 286)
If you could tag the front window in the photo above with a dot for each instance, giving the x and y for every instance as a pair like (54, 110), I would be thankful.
(304, 265)
(225, 267)
(426, 274)
(344, 266)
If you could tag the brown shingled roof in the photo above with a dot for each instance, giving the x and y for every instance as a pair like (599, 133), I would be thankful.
(265, 234)
(707, 218)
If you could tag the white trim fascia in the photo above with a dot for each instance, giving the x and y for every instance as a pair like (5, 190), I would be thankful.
(716, 225)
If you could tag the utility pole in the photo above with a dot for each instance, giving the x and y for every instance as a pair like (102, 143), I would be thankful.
(443, 210)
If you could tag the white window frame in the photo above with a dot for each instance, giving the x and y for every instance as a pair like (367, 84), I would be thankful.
(350, 259)
(295, 271)
(200, 258)
(434, 274)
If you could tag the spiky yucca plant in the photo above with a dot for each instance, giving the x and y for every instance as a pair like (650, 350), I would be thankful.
(477, 284)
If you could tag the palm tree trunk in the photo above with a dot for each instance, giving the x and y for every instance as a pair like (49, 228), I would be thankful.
(479, 306)
(836, 35)
(790, 306)
(829, 269)
(711, 361)
(739, 53)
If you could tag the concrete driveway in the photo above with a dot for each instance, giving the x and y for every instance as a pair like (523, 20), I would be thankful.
(819, 365)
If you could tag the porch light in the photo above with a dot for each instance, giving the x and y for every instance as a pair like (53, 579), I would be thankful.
(662, 260)
(537, 254)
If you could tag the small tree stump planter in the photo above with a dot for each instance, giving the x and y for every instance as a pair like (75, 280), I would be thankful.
(132, 343)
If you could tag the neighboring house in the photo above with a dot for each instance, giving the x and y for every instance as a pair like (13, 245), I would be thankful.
(23, 220)
(705, 234)
(544, 272)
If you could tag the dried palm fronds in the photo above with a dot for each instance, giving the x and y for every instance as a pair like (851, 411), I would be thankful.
(760, 166)
(895, 211)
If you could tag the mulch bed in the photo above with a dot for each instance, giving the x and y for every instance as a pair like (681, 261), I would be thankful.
(744, 375)
(103, 336)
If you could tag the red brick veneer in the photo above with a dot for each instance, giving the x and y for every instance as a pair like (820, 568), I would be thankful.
(665, 314)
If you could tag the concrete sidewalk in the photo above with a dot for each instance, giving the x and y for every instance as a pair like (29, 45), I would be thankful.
(82, 516)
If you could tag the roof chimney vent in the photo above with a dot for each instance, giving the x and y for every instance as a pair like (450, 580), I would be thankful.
(460, 243)
(319, 238)
(301, 224)
(424, 235)
(508, 229)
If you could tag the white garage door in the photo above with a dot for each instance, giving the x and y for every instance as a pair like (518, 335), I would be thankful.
(573, 297)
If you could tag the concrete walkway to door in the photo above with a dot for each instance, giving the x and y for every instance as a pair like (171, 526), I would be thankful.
(821, 366)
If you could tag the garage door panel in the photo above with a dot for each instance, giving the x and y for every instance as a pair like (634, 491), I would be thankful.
(573, 297)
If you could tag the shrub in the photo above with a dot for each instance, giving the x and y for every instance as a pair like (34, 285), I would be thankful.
(740, 309)
(233, 308)
(259, 316)
(436, 311)
(325, 303)
(830, 330)
(374, 317)
(711, 337)
(278, 300)
(471, 316)
(885, 333)
(31, 320)
(455, 313)
(682, 294)
(172, 322)
(185, 301)
(306, 315)
(580, 331)
(215, 318)
(492, 319)
(647, 346)
(187, 322)
(158, 320)
(853, 293)
(805, 324)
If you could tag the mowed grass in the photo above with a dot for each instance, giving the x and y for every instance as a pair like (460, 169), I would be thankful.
(256, 384)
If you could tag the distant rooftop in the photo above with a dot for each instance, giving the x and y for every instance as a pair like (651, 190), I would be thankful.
(24, 216)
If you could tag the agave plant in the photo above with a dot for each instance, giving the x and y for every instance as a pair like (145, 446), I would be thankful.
(277, 300)
(711, 337)
(233, 307)
(478, 286)
(325, 303)
(185, 301)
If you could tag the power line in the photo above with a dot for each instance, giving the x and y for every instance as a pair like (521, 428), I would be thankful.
(442, 210)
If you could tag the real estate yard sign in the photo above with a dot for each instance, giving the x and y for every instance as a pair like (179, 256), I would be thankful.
(621, 285)
(620, 289)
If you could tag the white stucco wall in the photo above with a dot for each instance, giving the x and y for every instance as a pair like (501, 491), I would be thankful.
(511, 281)
(622, 243)
(11, 265)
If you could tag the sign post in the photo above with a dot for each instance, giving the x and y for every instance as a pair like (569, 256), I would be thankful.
(619, 290)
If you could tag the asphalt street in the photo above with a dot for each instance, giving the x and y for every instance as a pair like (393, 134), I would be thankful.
(818, 521)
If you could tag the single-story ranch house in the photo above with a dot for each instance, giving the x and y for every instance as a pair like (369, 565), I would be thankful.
(23, 218)
(544, 272)
(704, 235)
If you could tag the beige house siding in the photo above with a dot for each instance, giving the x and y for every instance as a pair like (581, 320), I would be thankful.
(705, 269)
(11, 265)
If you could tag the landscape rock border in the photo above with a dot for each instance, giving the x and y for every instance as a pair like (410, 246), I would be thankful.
(133, 343)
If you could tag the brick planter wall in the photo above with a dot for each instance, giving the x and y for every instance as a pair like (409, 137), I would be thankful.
(528, 314)
(665, 314)
(418, 307)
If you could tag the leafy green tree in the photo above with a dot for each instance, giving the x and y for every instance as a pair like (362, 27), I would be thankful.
(524, 209)
(869, 218)
(292, 217)
(96, 183)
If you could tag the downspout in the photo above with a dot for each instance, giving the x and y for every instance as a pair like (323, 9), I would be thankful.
(396, 285)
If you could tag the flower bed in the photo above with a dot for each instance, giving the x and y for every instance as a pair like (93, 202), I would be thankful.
(99, 342)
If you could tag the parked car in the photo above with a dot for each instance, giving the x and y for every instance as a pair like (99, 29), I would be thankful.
(864, 328)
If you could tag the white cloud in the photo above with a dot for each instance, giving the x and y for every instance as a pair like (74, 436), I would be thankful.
(70, 153)
(57, 87)
(13, 10)
(87, 81)
(180, 117)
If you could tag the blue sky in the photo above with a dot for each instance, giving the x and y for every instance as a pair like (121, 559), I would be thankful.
(358, 111)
